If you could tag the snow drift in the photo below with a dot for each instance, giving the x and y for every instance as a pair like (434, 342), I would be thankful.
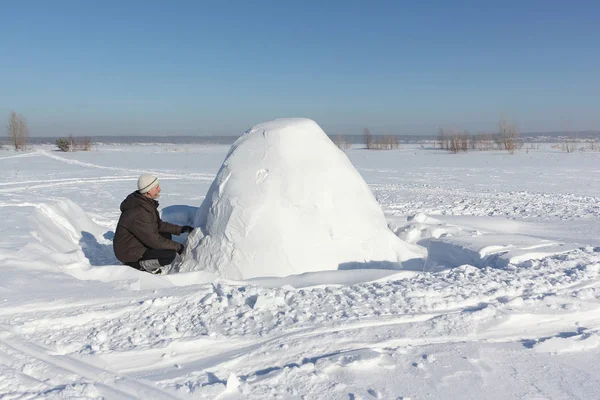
(67, 238)
(64, 227)
(286, 201)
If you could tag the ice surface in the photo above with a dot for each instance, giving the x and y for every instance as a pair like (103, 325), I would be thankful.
(287, 201)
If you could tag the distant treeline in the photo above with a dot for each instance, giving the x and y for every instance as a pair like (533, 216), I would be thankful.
(352, 139)
(146, 139)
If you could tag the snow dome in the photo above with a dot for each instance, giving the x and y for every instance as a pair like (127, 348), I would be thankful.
(287, 201)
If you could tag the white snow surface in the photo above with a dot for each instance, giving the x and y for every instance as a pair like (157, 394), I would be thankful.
(287, 201)
(505, 306)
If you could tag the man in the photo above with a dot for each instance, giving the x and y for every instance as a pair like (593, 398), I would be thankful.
(142, 240)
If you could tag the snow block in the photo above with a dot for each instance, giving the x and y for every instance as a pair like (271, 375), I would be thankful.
(287, 201)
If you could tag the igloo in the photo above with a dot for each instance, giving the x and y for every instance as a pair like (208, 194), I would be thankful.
(287, 201)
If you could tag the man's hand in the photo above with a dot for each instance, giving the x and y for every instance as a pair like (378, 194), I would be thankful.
(180, 249)
(187, 229)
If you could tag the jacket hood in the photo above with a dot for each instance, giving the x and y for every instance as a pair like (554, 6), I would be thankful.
(136, 199)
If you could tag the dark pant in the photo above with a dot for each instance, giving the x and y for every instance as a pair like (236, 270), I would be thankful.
(164, 257)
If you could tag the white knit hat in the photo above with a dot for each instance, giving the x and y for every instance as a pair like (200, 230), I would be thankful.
(146, 182)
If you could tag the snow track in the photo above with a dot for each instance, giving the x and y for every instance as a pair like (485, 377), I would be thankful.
(14, 187)
(162, 174)
(23, 155)
(67, 375)
(174, 339)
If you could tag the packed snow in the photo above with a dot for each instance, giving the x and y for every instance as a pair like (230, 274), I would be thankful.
(506, 303)
(287, 201)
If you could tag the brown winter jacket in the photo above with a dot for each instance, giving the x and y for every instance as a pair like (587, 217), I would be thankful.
(140, 227)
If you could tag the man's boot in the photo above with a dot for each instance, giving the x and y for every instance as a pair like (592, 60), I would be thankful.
(152, 266)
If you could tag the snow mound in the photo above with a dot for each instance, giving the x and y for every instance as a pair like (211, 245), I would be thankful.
(63, 226)
(287, 201)
(69, 239)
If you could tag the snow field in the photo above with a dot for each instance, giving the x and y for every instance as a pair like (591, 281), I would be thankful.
(74, 324)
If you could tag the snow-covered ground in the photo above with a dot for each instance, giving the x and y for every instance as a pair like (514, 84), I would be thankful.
(507, 304)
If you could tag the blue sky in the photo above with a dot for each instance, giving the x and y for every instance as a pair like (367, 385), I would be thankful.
(219, 67)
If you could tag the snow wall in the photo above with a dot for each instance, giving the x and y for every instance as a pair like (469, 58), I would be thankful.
(287, 201)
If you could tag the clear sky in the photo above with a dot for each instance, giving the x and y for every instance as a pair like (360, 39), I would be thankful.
(200, 68)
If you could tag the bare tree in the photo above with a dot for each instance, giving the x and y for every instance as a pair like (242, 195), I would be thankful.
(593, 145)
(445, 138)
(483, 141)
(473, 141)
(74, 143)
(570, 143)
(339, 141)
(386, 142)
(464, 138)
(458, 142)
(442, 139)
(86, 143)
(368, 138)
(454, 141)
(508, 136)
(18, 133)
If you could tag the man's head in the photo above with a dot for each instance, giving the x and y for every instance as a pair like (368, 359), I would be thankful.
(148, 186)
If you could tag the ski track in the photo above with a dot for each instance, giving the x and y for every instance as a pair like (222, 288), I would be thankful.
(20, 204)
(162, 174)
(24, 155)
(103, 178)
(55, 183)
(58, 372)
